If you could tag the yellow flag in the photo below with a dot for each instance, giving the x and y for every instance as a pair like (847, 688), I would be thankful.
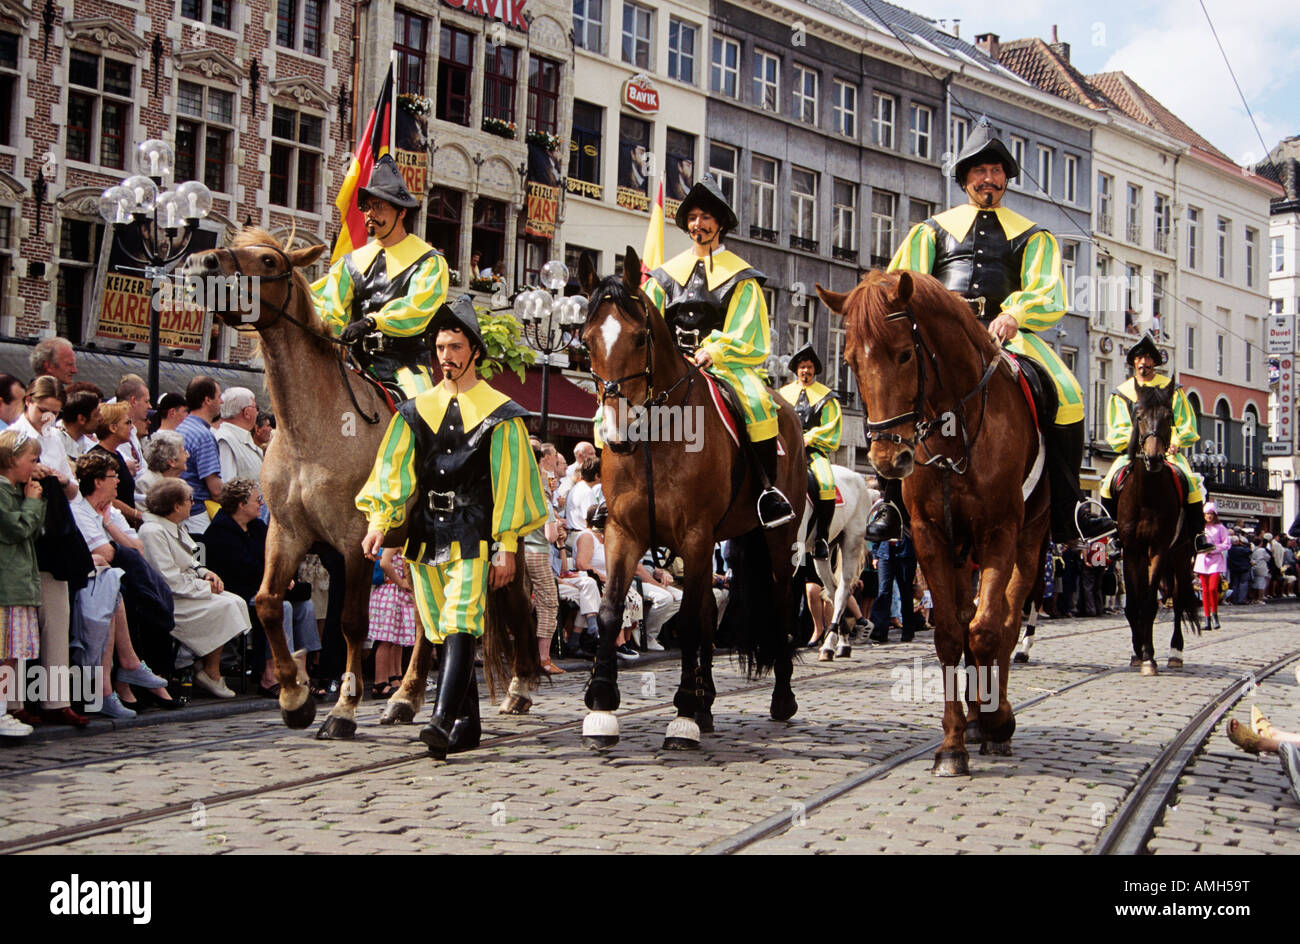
(652, 253)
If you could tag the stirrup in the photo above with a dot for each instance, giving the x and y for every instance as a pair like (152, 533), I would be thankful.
(1201, 544)
(881, 525)
(784, 513)
(1104, 521)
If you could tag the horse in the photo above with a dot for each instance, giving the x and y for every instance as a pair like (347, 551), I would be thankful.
(328, 430)
(660, 493)
(933, 380)
(1156, 549)
(848, 529)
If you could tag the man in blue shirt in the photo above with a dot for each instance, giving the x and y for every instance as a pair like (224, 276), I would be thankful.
(203, 468)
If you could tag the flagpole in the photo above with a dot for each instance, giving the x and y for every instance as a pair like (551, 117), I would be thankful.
(392, 112)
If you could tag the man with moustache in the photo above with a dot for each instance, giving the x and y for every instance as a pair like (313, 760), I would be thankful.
(380, 298)
(1009, 270)
(714, 305)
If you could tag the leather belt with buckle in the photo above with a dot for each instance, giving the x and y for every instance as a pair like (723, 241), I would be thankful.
(440, 501)
(688, 339)
(977, 306)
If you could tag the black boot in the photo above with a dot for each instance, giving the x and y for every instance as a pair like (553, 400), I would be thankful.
(1070, 520)
(1112, 509)
(773, 507)
(823, 512)
(1194, 523)
(455, 677)
(889, 515)
(467, 732)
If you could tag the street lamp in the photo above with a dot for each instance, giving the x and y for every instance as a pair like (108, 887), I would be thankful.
(1210, 460)
(162, 224)
(549, 323)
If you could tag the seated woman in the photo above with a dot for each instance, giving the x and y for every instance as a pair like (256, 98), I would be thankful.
(236, 552)
(114, 430)
(164, 458)
(207, 615)
(589, 555)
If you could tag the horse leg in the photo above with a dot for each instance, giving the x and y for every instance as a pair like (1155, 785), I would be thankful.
(600, 727)
(700, 608)
(341, 723)
(1147, 653)
(405, 703)
(990, 644)
(784, 609)
(950, 590)
(1019, 594)
(1182, 605)
(284, 553)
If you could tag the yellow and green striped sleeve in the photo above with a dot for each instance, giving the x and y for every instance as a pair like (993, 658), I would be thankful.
(1041, 302)
(332, 295)
(655, 292)
(408, 316)
(518, 501)
(825, 437)
(392, 479)
(1119, 423)
(745, 335)
(1185, 426)
(917, 252)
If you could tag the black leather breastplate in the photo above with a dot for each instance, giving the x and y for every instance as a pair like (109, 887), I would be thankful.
(983, 265)
(810, 414)
(692, 310)
(371, 291)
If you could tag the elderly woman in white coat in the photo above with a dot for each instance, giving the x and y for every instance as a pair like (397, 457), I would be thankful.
(207, 615)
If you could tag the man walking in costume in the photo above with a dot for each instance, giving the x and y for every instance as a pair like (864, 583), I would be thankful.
(713, 303)
(1009, 270)
(1142, 358)
(381, 297)
(819, 415)
(462, 451)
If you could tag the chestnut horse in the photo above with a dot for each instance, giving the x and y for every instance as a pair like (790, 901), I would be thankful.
(664, 492)
(1156, 549)
(329, 424)
(945, 412)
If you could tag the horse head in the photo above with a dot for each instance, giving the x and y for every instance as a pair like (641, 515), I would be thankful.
(255, 282)
(1153, 422)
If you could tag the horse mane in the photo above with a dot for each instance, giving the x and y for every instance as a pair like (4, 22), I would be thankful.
(611, 289)
(868, 306)
(254, 237)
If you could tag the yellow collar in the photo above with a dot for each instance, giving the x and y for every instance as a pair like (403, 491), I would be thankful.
(397, 259)
(1129, 387)
(725, 265)
(816, 390)
(475, 404)
(959, 220)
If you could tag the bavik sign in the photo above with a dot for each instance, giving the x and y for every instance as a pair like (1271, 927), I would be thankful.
(509, 12)
(640, 94)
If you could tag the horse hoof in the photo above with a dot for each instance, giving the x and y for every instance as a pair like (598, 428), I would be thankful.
(826, 655)
(704, 718)
(337, 728)
(300, 717)
(1134, 662)
(996, 748)
(951, 764)
(1175, 662)
(843, 652)
(974, 732)
(1021, 657)
(515, 705)
(784, 709)
(602, 695)
(1149, 667)
(683, 735)
(600, 730)
(398, 712)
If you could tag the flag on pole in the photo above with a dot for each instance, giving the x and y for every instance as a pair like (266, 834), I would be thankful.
(652, 253)
(376, 141)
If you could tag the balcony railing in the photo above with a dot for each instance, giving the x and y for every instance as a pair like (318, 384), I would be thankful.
(1162, 240)
(799, 242)
(1245, 479)
(879, 262)
(758, 232)
(1105, 223)
(848, 255)
(1133, 233)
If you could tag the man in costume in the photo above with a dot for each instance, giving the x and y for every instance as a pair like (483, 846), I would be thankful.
(462, 451)
(380, 298)
(1143, 358)
(819, 415)
(713, 303)
(1009, 270)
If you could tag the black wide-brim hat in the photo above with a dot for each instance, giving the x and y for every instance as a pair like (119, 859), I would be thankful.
(706, 195)
(984, 147)
(805, 353)
(461, 316)
(1145, 346)
(386, 183)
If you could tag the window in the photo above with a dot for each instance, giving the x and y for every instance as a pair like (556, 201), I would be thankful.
(637, 29)
(1221, 256)
(722, 165)
(843, 380)
(1163, 222)
(589, 25)
(1218, 354)
(488, 237)
(1275, 306)
(1105, 207)
(573, 256)
(1249, 361)
(1133, 214)
(799, 334)
(79, 243)
(295, 159)
(1249, 429)
(767, 81)
(97, 123)
(1193, 236)
(1278, 248)
(1102, 300)
(410, 40)
(919, 211)
(300, 32)
(681, 50)
(1071, 179)
(1221, 418)
(1159, 285)
(883, 109)
(922, 122)
(633, 161)
(1191, 347)
(6, 257)
(844, 110)
(679, 169)
(883, 207)
(805, 94)
(1132, 298)
(446, 208)
(455, 62)
(204, 127)
(957, 133)
(762, 179)
(1252, 249)
(8, 87)
(543, 94)
(725, 71)
(499, 82)
(1045, 170)
(1018, 153)
(803, 209)
(844, 222)
(585, 150)
(1069, 265)
(213, 12)
(1100, 397)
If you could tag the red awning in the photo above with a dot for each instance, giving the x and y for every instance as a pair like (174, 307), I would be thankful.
(569, 407)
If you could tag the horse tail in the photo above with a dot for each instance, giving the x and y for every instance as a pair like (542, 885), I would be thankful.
(510, 635)
(762, 620)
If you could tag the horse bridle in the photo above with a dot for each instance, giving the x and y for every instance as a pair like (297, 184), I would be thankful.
(610, 389)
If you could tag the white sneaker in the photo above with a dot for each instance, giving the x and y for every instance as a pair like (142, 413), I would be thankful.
(113, 708)
(12, 727)
(652, 644)
(217, 688)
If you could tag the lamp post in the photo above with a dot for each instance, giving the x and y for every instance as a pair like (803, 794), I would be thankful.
(1209, 461)
(549, 323)
(160, 224)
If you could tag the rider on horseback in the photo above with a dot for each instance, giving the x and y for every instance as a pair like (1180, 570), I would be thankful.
(380, 298)
(713, 302)
(1143, 357)
(1009, 270)
(819, 415)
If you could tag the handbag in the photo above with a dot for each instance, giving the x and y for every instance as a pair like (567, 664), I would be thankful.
(61, 551)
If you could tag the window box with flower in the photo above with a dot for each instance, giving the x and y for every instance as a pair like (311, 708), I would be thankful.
(415, 105)
(504, 129)
(544, 139)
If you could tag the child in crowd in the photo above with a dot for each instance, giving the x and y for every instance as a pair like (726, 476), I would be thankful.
(22, 511)
(392, 622)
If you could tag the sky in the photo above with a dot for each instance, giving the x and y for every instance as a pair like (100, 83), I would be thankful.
(1169, 50)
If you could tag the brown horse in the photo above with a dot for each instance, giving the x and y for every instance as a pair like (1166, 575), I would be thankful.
(329, 424)
(945, 413)
(662, 492)
(1157, 551)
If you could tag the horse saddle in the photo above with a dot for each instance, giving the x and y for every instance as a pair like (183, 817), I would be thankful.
(1038, 388)
(1181, 486)
(727, 402)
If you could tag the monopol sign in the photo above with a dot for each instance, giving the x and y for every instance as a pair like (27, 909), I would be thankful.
(1281, 334)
